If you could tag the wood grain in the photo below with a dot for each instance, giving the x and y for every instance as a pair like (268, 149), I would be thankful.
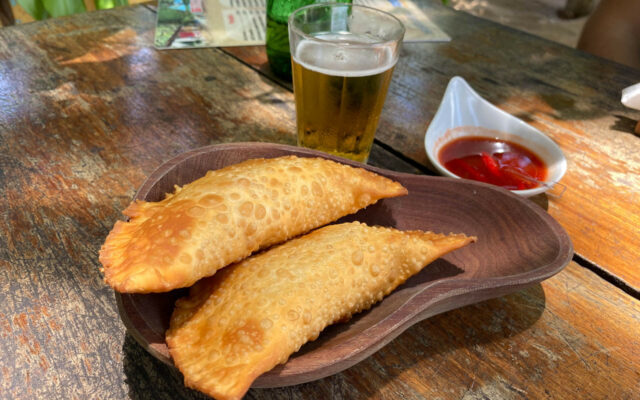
(454, 355)
(89, 109)
(572, 337)
(571, 96)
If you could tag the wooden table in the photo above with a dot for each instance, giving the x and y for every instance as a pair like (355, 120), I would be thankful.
(90, 108)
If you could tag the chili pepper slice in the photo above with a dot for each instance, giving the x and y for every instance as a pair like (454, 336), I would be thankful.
(491, 164)
(472, 173)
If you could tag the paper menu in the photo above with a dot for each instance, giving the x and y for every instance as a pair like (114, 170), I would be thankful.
(237, 22)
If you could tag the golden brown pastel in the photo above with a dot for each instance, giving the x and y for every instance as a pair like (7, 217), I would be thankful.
(253, 315)
(229, 213)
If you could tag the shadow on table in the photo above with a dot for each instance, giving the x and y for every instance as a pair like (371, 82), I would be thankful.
(425, 343)
(151, 379)
(624, 124)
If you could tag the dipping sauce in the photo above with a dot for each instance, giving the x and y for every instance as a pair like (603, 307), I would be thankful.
(494, 161)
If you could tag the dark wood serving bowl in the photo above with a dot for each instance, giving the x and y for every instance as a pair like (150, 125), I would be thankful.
(518, 245)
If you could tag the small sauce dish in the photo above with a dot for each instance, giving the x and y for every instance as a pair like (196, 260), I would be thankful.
(463, 113)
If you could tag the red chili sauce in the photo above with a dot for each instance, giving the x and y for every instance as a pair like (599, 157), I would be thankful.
(494, 161)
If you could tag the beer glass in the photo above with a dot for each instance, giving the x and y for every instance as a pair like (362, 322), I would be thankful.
(343, 56)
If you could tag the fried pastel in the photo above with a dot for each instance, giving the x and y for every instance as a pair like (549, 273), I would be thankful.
(229, 213)
(253, 315)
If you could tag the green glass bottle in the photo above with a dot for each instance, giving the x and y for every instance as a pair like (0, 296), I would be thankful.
(278, 12)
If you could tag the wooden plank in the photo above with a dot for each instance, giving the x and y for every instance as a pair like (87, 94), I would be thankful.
(571, 96)
(573, 336)
(90, 109)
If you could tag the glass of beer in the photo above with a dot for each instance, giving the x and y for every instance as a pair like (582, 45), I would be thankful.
(343, 56)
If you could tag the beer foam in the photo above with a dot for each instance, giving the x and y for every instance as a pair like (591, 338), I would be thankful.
(348, 59)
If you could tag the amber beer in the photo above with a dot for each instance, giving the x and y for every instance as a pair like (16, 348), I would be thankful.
(339, 92)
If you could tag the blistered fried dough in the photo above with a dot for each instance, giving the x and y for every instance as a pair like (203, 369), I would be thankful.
(230, 213)
(253, 315)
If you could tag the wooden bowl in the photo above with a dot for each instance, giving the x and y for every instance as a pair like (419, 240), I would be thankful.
(518, 245)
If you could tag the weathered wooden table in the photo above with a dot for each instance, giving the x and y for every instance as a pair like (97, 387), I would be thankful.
(89, 108)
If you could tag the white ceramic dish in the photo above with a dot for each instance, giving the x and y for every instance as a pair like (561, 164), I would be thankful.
(462, 106)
